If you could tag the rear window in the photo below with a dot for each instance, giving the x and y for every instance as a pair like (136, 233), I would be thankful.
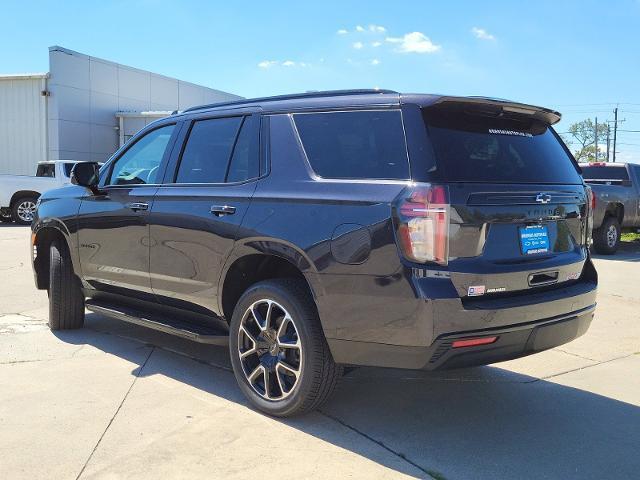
(605, 173)
(355, 145)
(46, 170)
(476, 148)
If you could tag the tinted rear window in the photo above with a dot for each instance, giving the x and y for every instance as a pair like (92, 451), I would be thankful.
(355, 145)
(46, 170)
(605, 173)
(206, 154)
(476, 148)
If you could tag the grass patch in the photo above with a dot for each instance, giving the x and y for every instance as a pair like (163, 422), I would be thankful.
(630, 237)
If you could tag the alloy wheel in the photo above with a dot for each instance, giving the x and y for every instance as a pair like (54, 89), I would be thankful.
(26, 210)
(270, 350)
(612, 236)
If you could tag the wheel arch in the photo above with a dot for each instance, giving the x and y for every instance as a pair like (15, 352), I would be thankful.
(260, 260)
(42, 237)
(22, 194)
(615, 209)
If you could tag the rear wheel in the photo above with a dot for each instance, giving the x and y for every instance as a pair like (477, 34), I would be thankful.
(24, 209)
(66, 301)
(280, 357)
(607, 238)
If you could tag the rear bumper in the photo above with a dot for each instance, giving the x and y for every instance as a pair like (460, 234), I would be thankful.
(512, 342)
(418, 332)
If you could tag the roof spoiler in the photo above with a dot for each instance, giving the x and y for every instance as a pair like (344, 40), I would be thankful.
(499, 106)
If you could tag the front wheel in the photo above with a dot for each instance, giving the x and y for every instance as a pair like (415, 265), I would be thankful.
(279, 354)
(24, 209)
(66, 301)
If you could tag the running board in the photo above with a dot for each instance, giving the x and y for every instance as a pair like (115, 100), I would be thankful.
(190, 331)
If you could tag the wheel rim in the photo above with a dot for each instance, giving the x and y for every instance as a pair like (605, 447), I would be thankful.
(612, 236)
(269, 349)
(26, 211)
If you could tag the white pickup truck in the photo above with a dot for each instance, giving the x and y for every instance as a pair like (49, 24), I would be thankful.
(19, 193)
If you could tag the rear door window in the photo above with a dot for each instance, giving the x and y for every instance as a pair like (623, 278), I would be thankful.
(208, 149)
(244, 160)
(476, 148)
(355, 145)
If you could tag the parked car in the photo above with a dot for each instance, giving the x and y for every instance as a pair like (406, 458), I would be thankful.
(616, 188)
(309, 232)
(19, 193)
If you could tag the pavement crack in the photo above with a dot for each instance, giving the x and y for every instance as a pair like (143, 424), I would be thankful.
(585, 367)
(576, 355)
(430, 473)
(138, 373)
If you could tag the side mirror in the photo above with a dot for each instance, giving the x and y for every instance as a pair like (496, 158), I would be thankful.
(86, 174)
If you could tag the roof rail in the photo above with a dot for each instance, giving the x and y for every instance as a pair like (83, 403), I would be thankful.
(293, 96)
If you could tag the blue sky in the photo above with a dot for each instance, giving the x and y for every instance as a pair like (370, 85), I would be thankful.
(580, 57)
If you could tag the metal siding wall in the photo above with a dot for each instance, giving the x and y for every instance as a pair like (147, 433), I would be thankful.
(23, 135)
(86, 93)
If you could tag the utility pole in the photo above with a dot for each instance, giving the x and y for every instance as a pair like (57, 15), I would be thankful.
(615, 131)
(595, 139)
(608, 135)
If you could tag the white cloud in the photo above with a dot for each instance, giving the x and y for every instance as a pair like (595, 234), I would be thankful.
(359, 28)
(414, 42)
(342, 31)
(482, 34)
(286, 63)
(375, 62)
(376, 44)
(358, 45)
(267, 63)
(377, 28)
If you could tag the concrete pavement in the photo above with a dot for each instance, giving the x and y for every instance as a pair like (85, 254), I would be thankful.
(118, 401)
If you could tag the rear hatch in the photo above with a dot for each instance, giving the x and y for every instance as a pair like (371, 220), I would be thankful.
(517, 205)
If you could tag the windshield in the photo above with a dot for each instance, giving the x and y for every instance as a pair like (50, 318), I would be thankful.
(477, 148)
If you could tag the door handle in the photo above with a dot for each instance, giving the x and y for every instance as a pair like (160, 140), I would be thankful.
(135, 206)
(219, 210)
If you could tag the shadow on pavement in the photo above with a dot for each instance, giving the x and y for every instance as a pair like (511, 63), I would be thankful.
(627, 252)
(481, 423)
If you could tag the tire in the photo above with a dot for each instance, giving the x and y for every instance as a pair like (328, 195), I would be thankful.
(288, 394)
(66, 301)
(606, 239)
(23, 210)
(6, 218)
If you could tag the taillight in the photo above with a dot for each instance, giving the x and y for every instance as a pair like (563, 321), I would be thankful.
(591, 203)
(422, 223)
(592, 198)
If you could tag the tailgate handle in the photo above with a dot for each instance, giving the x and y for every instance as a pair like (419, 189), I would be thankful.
(542, 278)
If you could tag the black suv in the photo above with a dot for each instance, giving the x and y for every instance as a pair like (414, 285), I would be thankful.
(313, 231)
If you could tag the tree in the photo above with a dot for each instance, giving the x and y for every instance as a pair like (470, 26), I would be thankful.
(580, 138)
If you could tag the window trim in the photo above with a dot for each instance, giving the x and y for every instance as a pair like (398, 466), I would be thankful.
(108, 166)
(315, 176)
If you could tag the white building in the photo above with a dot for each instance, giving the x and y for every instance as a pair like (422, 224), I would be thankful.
(84, 109)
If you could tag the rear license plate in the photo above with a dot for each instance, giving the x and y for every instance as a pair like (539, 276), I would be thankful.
(534, 239)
